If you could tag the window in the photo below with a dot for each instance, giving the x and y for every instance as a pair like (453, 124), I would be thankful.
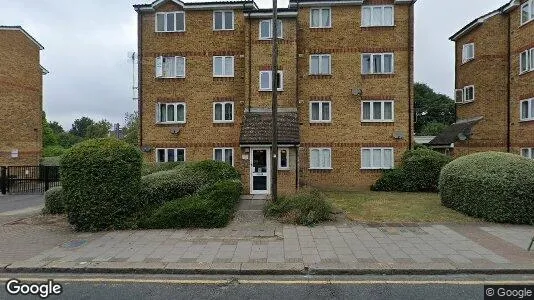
(526, 61)
(469, 93)
(170, 67)
(266, 81)
(377, 158)
(223, 20)
(224, 154)
(320, 112)
(223, 66)
(266, 29)
(170, 21)
(377, 111)
(223, 112)
(320, 158)
(170, 155)
(468, 52)
(527, 110)
(378, 63)
(527, 12)
(379, 15)
(171, 113)
(527, 152)
(320, 64)
(320, 18)
(283, 158)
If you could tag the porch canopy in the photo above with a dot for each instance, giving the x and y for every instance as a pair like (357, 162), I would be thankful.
(257, 128)
(451, 134)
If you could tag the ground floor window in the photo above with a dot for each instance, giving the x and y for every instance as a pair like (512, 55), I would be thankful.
(224, 154)
(283, 158)
(377, 158)
(170, 155)
(320, 158)
(527, 152)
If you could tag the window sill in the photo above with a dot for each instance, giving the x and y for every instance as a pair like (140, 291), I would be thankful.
(526, 72)
(526, 23)
(284, 169)
(467, 61)
(320, 169)
(223, 30)
(223, 122)
(320, 75)
(270, 90)
(377, 121)
(526, 120)
(223, 76)
(375, 169)
(170, 123)
(467, 102)
(178, 77)
(320, 122)
(377, 26)
(378, 75)
(315, 28)
(176, 31)
(269, 39)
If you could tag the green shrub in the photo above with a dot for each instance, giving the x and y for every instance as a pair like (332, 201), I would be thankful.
(164, 186)
(54, 203)
(212, 207)
(51, 161)
(497, 187)
(158, 167)
(101, 182)
(213, 171)
(51, 151)
(307, 208)
(419, 172)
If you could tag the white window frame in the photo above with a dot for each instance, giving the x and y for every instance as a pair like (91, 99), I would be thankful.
(382, 108)
(269, 88)
(270, 37)
(224, 153)
(373, 166)
(224, 66)
(223, 22)
(530, 61)
(175, 104)
(165, 21)
(223, 112)
(530, 8)
(321, 21)
(280, 159)
(529, 151)
(530, 115)
(328, 167)
(372, 66)
(383, 21)
(465, 47)
(160, 63)
(465, 94)
(167, 154)
(321, 119)
(321, 57)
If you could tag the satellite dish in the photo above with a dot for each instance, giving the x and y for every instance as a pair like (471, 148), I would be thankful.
(462, 136)
(146, 149)
(357, 92)
(398, 135)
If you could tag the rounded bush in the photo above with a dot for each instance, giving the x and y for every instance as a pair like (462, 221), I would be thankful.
(391, 180)
(54, 203)
(164, 186)
(158, 167)
(101, 182)
(497, 187)
(213, 171)
(308, 207)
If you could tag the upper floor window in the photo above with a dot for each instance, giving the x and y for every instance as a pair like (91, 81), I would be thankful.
(320, 18)
(526, 61)
(377, 111)
(377, 158)
(266, 81)
(320, 158)
(527, 110)
(224, 154)
(377, 15)
(527, 152)
(223, 66)
(527, 12)
(170, 67)
(170, 21)
(266, 29)
(381, 63)
(320, 64)
(223, 112)
(468, 52)
(170, 155)
(171, 113)
(223, 20)
(320, 112)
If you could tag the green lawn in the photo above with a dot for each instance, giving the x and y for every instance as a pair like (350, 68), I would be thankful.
(367, 206)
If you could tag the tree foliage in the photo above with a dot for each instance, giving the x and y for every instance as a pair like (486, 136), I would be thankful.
(99, 129)
(79, 127)
(432, 108)
(131, 128)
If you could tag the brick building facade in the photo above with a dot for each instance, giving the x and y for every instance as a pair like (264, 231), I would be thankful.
(21, 95)
(495, 83)
(345, 88)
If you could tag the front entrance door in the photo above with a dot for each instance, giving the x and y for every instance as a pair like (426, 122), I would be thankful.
(260, 171)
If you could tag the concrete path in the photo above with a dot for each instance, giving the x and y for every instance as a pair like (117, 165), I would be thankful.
(17, 204)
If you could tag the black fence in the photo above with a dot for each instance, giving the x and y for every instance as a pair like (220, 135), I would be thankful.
(28, 179)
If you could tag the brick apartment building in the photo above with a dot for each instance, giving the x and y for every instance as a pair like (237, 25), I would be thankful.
(495, 83)
(345, 85)
(21, 98)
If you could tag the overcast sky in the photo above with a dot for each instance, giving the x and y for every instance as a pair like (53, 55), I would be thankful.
(87, 42)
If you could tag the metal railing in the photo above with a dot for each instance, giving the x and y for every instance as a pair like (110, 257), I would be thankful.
(28, 179)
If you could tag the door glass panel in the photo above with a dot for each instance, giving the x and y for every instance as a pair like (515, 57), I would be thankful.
(259, 165)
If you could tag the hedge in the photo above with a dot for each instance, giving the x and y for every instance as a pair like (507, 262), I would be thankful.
(213, 171)
(101, 182)
(497, 187)
(54, 203)
(211, 207)
(307, 208)
(158, 167)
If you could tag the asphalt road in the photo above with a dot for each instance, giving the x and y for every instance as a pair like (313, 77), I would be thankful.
(19, 203)
(130, 287)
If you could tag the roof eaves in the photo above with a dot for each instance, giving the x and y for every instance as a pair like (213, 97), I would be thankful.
(19, 28)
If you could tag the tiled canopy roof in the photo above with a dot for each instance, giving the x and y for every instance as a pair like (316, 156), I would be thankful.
(257, 128)
(450, 134)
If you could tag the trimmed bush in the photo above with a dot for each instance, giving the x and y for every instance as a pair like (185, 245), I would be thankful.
(54, 203)
(497, 187)
(101, 182)
(163, 186)
(391, 180)
(307, 208)
(212, 207)
(213, 171)
(158, 167)
(52, 151)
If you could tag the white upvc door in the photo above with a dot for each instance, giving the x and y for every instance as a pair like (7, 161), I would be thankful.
(260, 171)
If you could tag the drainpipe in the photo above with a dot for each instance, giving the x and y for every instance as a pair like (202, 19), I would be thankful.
(508, 84)
(249, 61)
(297, 94)
(410, 75)
(140, 75)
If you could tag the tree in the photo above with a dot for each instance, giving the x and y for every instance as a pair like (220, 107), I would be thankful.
(49, 137)
(131, 128)
(79, 127)
(67, 139)
(433, 128)
(99, 129)
(56, 128)
(431, 107)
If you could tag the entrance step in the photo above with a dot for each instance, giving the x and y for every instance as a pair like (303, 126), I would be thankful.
(249, 216)
(250, 209)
